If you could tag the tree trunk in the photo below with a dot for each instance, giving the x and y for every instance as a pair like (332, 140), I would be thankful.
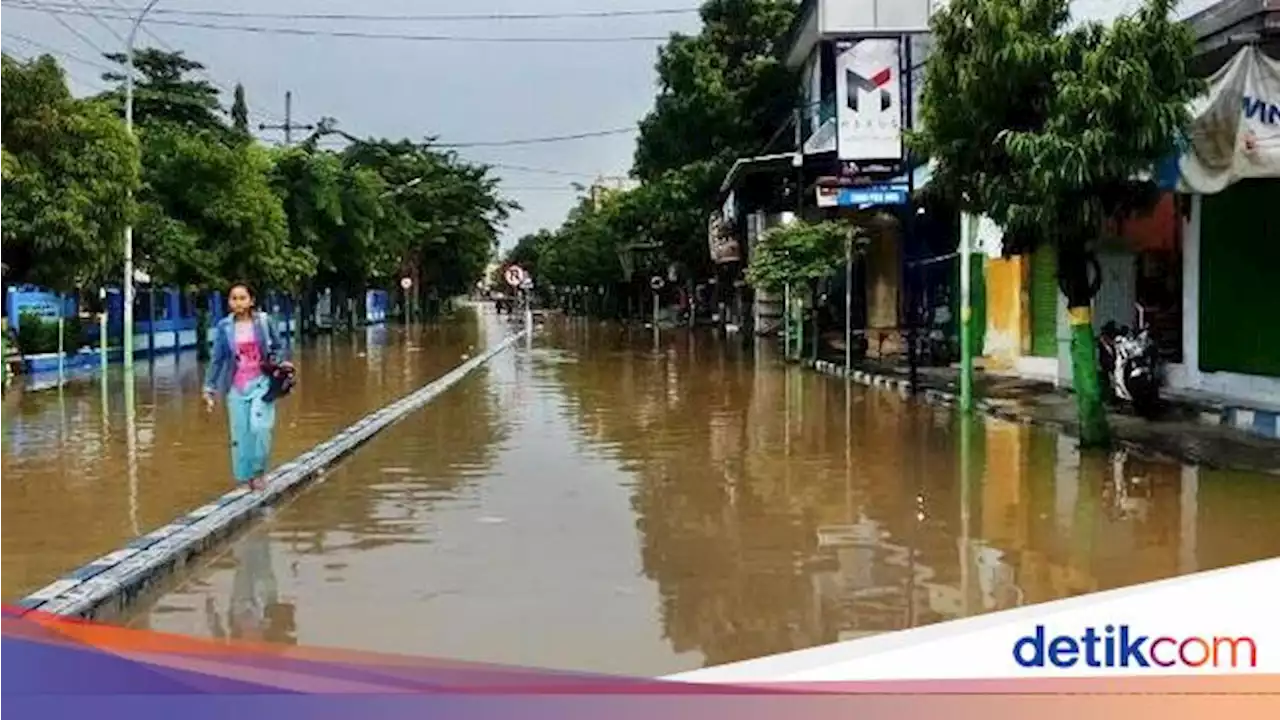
(1073, 279)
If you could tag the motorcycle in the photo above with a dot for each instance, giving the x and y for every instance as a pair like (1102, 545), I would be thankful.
(1130, 365)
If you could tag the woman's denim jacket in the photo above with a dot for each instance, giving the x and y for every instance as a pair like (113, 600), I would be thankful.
(222, 369)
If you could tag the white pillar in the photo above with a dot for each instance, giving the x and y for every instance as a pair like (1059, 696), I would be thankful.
(1191, 293)
(1189, 506)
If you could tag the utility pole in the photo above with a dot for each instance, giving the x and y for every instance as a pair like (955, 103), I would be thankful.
(288, 127)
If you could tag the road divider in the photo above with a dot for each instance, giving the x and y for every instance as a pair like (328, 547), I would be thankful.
(107, 587)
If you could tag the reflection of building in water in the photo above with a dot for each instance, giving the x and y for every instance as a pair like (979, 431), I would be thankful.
(875, 585)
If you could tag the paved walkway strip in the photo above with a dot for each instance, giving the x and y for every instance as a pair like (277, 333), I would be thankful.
(107, 586)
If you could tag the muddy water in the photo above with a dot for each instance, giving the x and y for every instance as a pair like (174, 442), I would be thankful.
(83, 473)
(602, 504)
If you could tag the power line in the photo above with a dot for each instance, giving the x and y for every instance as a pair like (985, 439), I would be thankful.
(304, 32)
(536, 140)
(363, 17)
(78, 33)
(59, 52)
(101, 22)
(545, 171)
(539, 188)
(160, 41)
(516, 141)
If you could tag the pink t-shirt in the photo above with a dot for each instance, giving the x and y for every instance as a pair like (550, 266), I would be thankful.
(248, 355)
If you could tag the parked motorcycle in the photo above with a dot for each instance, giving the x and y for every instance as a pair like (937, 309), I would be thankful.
(1130, 364)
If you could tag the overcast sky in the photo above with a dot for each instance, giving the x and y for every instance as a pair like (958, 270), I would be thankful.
(459, 91)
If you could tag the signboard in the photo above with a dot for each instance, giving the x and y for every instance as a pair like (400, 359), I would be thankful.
(514, 276)
(720, 239)
(869, 100)
(860, 196)
(856, 17)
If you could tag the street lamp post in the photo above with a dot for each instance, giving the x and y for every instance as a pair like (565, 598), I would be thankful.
(128, 229)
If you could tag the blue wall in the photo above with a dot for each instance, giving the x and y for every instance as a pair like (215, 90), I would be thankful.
(376, 304)
(169, 312)
(30, 299)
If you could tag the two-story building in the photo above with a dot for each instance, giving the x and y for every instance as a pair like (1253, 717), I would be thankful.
(843, 154)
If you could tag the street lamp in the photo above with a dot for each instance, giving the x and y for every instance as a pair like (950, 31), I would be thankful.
(399, 188)
(128, 229)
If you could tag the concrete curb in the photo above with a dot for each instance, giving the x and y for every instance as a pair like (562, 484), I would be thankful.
(995, 409)
(107, 586)
(933, 396)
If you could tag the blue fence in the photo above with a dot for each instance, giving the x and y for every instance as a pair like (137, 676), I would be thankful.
(164, 321)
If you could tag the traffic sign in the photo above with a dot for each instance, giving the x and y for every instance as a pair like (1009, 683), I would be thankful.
(656, 282)
(515, 276)
(406, 283)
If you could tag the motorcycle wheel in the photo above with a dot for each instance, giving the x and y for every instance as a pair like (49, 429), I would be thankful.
(1146, 399)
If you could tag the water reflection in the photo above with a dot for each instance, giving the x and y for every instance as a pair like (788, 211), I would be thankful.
(603, 504)
(752, 494)
(254, 610)
(126, 456)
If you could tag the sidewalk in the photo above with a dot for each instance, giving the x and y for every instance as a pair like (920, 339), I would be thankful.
(1178, 435)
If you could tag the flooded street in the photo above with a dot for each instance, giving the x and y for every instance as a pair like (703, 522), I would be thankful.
(600, 503)
(80, 480)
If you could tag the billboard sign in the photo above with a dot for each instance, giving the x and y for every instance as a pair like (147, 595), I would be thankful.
(869, 100)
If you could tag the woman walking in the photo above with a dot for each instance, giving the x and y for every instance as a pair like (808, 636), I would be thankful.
(246, 350)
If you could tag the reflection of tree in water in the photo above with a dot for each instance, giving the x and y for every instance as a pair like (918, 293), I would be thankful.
(385, 492)
(727, 546)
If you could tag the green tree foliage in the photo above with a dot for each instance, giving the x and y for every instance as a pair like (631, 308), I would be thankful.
(1045, 126)
(211, 216)
(527, 251)
(584, 250)
(240, 111)
(214, 206)
(723, 93)
(798, 254)
(69, 168)
(446, 212)
(164, 92)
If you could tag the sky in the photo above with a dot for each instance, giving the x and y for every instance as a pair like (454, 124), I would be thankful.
(459, 91)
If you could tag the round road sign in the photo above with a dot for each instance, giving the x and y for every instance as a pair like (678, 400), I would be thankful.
(406, 283)
(656, 282)
(514, 275)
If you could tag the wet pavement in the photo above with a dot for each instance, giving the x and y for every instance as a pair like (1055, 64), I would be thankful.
(603, 504)
(1176, 434)
(81, 479)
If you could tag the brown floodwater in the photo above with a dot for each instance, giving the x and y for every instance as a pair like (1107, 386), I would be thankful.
(602, 502)
(84, 473)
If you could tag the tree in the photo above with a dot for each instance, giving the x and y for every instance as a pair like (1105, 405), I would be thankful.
(722, 94)
(210, 215)
(240, 111)
(69, 169)
(798, 255)
(1046, 129)
(164, 92)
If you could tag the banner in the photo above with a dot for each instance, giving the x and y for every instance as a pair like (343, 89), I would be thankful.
(1235, 128)
(869, 100)
(720, 239)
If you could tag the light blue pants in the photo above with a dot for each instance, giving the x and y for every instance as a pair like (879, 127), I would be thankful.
(253, 422)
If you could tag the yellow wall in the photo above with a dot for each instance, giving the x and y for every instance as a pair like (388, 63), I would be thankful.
(1004, 503)
(1008, 322)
